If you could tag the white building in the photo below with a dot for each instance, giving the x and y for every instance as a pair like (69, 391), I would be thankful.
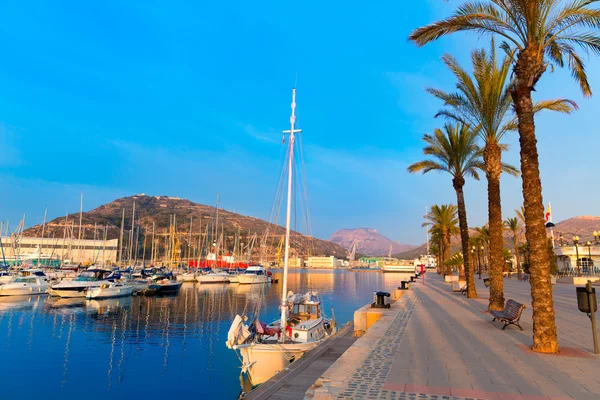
(589, 259)
(82, 251)
(323, 262)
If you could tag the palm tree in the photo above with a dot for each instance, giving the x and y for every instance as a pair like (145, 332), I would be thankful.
(484, 101)
(544, 32)
(455, 150)
(514, 225)
(443, 224)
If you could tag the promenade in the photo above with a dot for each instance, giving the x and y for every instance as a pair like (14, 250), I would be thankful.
(438, 344)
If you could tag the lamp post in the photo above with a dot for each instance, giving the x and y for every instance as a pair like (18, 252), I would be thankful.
(590, 263)
(483, 256)
(561, 240)
(576, 242)
(596, 236)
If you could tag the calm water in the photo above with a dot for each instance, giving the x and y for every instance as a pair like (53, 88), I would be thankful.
(150, 346)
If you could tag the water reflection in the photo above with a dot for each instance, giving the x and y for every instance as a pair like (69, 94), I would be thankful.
(151, 346)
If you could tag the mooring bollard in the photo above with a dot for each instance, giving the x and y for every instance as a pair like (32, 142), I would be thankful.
(586, 302)
(403, 285)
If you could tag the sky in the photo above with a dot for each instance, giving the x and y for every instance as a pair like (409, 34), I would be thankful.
(189, 99)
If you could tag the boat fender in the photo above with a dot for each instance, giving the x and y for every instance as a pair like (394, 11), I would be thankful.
(288, 329)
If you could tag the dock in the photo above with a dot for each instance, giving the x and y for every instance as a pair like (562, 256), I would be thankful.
(293, 382)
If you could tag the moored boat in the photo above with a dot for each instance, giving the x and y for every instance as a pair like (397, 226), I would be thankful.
(213, 277)
(78, 286)
(30, 282)
(109, 290)
(165, 284)
(254, 274)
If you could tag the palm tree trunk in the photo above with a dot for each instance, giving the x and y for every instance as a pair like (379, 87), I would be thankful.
(544, 325)
(458, 183)
(516, 238)
(447, 270)
(493, 165)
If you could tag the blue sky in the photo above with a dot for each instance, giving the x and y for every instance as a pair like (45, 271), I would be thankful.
(189, 99)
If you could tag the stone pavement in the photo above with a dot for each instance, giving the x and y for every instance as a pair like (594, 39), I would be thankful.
(441, 345)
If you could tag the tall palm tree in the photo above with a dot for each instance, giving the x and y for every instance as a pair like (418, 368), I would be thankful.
(455, 150)
(484, 101)
(544, 32)
(514, 225)
(443, 224)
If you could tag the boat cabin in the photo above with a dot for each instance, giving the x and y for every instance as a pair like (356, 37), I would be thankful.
(255, 270)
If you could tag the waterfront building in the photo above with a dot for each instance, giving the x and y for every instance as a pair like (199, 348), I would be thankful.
(323, 262)
(589, 259)
(50, 251)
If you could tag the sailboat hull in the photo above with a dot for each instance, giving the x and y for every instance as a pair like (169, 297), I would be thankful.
(262, 361)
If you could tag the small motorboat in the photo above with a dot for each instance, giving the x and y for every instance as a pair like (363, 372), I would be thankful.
(30, 282)
(164, 284)
(78, 287)
(109, 290)
(6, 277)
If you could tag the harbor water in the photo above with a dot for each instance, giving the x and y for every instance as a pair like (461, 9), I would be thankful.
(152, 347)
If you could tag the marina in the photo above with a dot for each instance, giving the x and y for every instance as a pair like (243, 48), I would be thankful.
(178, 341)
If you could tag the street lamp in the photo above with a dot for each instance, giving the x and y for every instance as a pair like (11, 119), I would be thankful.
(561, 240)
(597, 236)
(483, 255)
(589, 267)
(576, 242)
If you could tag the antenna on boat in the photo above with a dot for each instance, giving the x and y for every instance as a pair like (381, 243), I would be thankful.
(288, 215)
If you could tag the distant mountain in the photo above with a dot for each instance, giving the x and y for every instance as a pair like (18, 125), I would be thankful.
(582, 226)
(160, 211)
(369, 241)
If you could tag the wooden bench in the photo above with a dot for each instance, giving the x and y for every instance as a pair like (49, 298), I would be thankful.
(510, 315)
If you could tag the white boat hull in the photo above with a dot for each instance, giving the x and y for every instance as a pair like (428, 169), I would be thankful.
(187, 277)
(248, 279)
(234, 279)
(22, 291)
(212, 278)
(109, 292)
(262, 361)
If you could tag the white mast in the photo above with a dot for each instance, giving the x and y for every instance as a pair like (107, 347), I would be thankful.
(42, 241)
(121, 238)
(288, 216)
(132, 231)
(80, 221)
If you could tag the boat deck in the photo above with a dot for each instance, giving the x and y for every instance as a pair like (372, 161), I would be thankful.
(292, 383)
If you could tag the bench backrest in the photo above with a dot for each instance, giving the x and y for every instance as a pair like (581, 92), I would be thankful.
(513, 309)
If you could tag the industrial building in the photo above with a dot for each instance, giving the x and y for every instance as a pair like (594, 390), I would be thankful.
(323, 262)
(50, 251)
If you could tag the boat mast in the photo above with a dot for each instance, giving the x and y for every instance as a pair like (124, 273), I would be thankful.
(42, 241)
(121, 238)
(152, 257)
(62, 256)
(80, 224)
(132, 232)
(288, 216)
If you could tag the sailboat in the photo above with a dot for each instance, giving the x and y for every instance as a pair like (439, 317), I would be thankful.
(268, 349)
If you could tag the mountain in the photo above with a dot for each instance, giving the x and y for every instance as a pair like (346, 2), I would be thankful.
(583, 226)
(369, 241)
(160, 210)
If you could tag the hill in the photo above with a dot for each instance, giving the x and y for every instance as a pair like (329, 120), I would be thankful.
(582, 226)
(370, 241)
(160, 211)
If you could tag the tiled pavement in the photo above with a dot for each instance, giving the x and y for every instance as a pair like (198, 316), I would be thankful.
(441, 345)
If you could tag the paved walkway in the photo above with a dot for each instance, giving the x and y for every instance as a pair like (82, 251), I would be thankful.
(443, 345)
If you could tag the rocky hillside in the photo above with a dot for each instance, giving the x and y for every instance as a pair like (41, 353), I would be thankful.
(370, 241)
(160, 210)
(583, 227)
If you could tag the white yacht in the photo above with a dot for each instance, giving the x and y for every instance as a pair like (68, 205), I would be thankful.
(109, 290)
(6, 277)
(187, 277)
(30, 282)
(78, 286)
(254, 274)
(213, 277)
